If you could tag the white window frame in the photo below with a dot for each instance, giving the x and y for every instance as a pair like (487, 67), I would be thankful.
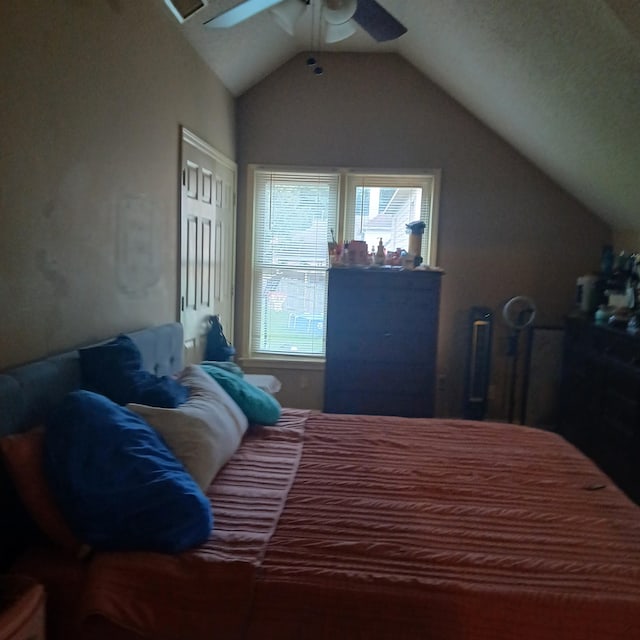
(349, 178)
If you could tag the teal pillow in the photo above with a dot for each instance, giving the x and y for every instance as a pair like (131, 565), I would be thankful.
(256, 404)
(227, 365)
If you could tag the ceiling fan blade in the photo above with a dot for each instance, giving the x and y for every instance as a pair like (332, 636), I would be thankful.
(377, 21)
(240, 13)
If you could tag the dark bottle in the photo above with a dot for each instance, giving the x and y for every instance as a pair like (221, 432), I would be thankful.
(606, 260)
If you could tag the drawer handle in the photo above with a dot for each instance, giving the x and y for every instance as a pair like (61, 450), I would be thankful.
(387, 334)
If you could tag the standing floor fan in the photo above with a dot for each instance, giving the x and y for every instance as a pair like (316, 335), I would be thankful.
(478, 363)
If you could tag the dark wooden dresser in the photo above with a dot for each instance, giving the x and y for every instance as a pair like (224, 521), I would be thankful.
(382, 333)
(600, 410)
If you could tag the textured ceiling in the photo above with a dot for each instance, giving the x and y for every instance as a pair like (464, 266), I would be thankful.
(560, 80)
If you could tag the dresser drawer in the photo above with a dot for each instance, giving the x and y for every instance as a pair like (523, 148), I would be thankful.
(385, 343)
(380, 404)
(601, 404)
(364, 281)
(407, 380)
(378, 303)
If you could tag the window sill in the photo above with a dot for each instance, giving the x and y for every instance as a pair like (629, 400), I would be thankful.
(276, 362)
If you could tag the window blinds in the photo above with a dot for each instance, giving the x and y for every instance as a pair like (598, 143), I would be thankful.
(294, 214)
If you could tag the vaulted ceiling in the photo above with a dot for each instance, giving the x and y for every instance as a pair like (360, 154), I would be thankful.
(559, 80)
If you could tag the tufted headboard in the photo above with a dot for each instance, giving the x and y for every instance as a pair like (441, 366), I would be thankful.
(28, 392)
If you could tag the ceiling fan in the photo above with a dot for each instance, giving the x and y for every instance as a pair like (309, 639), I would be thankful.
(340, 17)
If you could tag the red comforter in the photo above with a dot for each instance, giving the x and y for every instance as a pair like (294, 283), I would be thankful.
(360, 527)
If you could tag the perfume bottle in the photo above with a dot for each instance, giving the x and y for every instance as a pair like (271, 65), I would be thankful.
(380, 254)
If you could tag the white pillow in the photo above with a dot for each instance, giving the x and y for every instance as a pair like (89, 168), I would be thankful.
(205, 431)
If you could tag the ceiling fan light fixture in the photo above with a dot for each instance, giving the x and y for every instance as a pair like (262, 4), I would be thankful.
(287, 14)
(338, 32)
(338, 11)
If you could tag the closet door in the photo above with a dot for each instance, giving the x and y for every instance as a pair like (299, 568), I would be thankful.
(207, 242)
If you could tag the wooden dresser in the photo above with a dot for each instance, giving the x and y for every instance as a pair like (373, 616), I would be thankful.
(382, 333)
(600, 410)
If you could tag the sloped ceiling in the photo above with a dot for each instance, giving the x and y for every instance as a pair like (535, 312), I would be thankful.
(560, 80)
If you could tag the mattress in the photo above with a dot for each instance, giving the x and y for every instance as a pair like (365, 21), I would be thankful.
(347, 526)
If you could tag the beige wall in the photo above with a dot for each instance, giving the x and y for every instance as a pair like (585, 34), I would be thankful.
(627, 241)
(505, 228)
(93, 98)
(93, 95)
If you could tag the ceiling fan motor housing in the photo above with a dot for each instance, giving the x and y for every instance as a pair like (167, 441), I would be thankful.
(339, 11)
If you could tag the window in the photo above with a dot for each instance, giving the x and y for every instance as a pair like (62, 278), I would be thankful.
(380, 206)
(295, 214)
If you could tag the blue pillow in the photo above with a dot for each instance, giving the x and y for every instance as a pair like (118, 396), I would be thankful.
(116, 482)
(258, 405)
(114, 370)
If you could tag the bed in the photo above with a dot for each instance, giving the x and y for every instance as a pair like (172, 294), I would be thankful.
(363, 527)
